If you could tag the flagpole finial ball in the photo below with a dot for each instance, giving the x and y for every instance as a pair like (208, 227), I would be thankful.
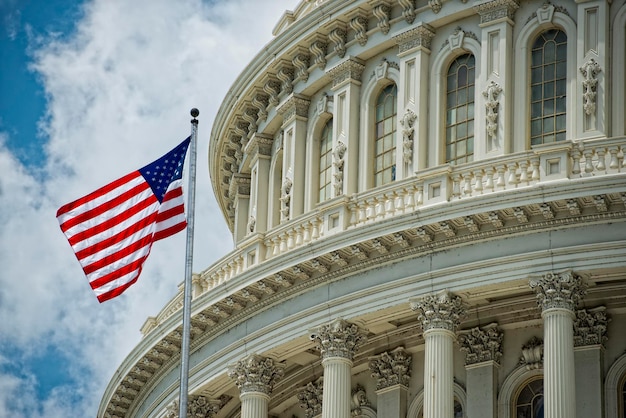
(195, 112)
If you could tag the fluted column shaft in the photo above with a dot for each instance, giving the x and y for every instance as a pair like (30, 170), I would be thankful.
(559, 386)
(254, 404)
(336, 392)
(438, 374)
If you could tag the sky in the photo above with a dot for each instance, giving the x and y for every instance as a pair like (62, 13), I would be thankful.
(91, 90)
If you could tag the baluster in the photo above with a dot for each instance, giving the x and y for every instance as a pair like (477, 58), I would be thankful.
(456, 185)
(420, 195)
(489, 182)
(576, 164)
(613, 162)
(400, 197)
(306, 229)
(588, 153)
(390, 206)
(523, 177)
(379, 207)
(601, 152)
(276, 246)
(291, 242)
(536, 174)
(299, 239)
(501, 169)
(282, 242)
(315, 226)
(467, 184)
(512, 174)
(478, 181)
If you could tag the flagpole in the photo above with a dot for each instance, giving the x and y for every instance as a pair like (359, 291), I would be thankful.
(191, 203)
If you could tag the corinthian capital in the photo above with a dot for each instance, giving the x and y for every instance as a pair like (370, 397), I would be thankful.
(481, 344)
(391, 368)
(440, 311)
(339, 338)
(590, 326)
(256, 374)
(558, 290)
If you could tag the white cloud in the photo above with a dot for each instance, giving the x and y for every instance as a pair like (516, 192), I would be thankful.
(119, 91)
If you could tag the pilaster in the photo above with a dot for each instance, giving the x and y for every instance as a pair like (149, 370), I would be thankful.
(346, 87)
(557, 296)
(338, 341)
(440, 316)
(494, 105)
(392, 371)
(260, 150)
(414, 53)
(593, 53)
(255, 377)
(240, 187)
(483, 351)
(295, 111)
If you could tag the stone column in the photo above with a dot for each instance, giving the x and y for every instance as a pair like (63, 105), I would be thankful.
(392, 371)
(557, 296)
(255, 377)
(483, 350)
(590, 328)
(338, 341)
(440, 316)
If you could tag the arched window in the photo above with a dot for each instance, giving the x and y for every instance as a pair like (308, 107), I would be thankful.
(385, 141)
(622, 397)
(325, 172)
(548, 84)
(529, 402)
(460, 110)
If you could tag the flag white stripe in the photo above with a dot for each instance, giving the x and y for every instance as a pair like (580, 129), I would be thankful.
(122, 262)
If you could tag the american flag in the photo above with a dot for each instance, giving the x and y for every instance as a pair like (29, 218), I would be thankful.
(112, 229)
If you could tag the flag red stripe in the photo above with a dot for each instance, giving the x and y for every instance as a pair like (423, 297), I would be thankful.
(113, 221)
(128, 268)
(117, 238)
(164, 233)
(101, 191)
(106, 206)
(118, 290)
(118, 255)
(170, 213)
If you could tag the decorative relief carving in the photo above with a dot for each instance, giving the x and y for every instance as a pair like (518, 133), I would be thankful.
(296, 105)
(272, 88)
(481, 344)
(492, 104)
(250, 115)
(391, 368)
(251, 225)
(197, 407)
(358, 401)
(256, 374)
(558, 290)
(339, 338)
(590, 72)
(359, 25)
(407, 122)
(310, 398)
(323, 105)
(532, 354)
(381, 69)
(381, 12)
(318, 49)
(420, 36)
(338, 37)
(545, 13)
(590, 326)
(338, 164)
(285, 75)
(441, 311)
(497, 9)
(455, 40)
(347, 70)
(408, 10)
(285, 199)
(435, 5)
(261, 102)
(301, 62)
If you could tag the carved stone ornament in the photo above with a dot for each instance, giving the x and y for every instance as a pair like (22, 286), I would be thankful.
(350, 69)
(338, 164)
(318, 50)
(408, 10)
(285, 198)
(339, 338)
(492, 103)
(359, 26)
(558, 290)
(310, 398)
(492, 11)
(435, 5)
(197, 407)
(251, 224)
(440, 311)
(481, 344)
(323, 105)
(381, 70)
(359, 400)
(381, 12)
(545, 13)
(532, 354)
(301, 62)
(261, 102)
(590, 326)
(256, 374)
(391, 368)
(418, 37)
(456, 39)
(295, 106)
(407, 122)
(338, 38)
(590, 72)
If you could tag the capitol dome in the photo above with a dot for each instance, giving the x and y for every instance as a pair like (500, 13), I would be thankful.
(427, 200)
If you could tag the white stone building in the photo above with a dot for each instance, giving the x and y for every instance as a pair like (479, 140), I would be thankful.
(428, 203)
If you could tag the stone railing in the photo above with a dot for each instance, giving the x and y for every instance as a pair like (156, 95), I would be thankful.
(560, 161)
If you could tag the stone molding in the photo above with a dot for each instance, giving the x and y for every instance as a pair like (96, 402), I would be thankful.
(295, 106)
(481, 344)
(256, 373)
(441, 311)
(590, 326)
(491, 11)
(310, 397)
(419, 37)
(562, 290)
(349, 70)
(391, 368)
(339, 338)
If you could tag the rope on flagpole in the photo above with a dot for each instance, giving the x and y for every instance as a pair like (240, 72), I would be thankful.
(191, 203)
